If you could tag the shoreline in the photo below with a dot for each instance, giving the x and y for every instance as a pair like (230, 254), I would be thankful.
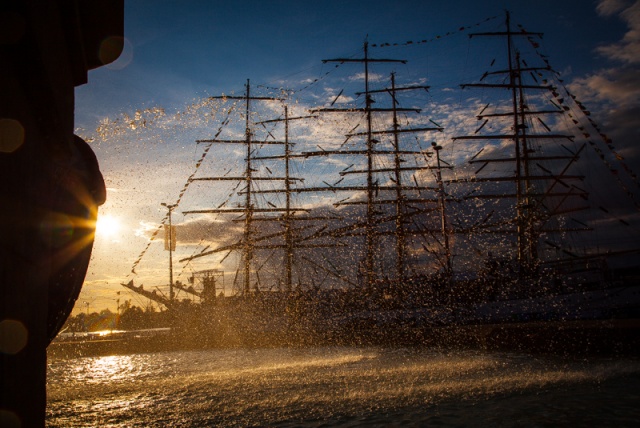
(580, 337)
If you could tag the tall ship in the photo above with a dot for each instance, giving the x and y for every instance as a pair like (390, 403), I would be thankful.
(404, 242)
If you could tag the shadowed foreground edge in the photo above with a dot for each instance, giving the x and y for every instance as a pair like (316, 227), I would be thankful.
(50, 183)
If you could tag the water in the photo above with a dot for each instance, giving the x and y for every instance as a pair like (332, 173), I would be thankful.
(342, 387)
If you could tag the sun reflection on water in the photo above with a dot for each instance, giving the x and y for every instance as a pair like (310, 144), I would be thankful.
(110, 368)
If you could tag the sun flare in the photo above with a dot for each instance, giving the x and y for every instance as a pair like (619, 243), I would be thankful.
(107, 225)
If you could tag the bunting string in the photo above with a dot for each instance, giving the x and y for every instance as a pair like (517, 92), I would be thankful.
(435, 38)
(308, 85)
(564, 102)
(382, 45)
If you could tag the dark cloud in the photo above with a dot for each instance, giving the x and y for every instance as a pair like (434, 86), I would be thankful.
(205, 231)
(616, 93)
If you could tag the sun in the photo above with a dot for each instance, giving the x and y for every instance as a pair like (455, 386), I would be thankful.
(107, 225)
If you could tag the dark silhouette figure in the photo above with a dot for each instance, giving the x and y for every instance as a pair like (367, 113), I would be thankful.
(79, 190)
(50, 183)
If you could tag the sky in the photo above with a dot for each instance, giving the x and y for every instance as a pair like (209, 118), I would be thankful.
(143, 113)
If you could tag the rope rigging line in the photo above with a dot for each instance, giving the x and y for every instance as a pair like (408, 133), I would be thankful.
(561, 102)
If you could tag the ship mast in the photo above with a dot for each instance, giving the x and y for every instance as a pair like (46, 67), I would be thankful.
(170, 241)
(400, 203)
(369, 224)
(288, 217)
(371, 152)
(444, 224)
(264, 241)
(401, 199)
(528, 202)
(248, 244)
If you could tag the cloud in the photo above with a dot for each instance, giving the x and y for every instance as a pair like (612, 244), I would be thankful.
(615, 91)
(611, 7)
(626, 50)
(617, 87)
(373, 77)
(203, 229)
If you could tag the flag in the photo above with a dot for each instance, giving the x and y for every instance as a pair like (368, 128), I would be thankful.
(169, 237)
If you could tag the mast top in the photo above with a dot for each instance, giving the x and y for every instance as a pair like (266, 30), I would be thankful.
(508, 32)
(365, 59)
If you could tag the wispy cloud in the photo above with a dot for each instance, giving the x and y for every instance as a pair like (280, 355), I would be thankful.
(628, 49)
(616, 89)
(611, 7)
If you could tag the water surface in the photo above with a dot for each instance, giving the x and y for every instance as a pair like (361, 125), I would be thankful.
(342, 386)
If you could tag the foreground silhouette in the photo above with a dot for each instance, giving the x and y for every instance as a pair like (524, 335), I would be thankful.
(50, 184)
